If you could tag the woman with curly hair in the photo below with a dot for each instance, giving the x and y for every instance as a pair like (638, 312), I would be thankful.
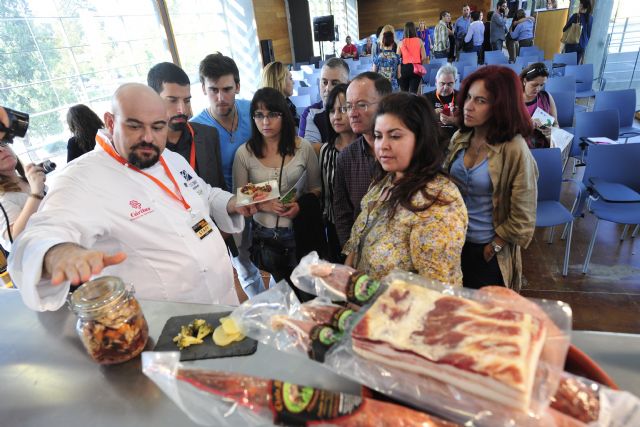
(413, 216)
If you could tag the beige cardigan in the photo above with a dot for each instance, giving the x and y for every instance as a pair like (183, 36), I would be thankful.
(514, 175)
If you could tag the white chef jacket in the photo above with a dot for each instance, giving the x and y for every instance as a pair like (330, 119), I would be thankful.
(101, 204)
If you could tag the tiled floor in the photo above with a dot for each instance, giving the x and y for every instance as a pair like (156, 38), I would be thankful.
(607, 298)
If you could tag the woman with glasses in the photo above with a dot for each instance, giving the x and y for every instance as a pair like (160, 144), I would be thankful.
(533, 80)
(275, 153)
(277, 75)
(413, 216)
(497, 175)
(21, 190)
(340, 136)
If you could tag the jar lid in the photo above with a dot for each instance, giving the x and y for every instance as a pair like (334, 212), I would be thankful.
(97, 295)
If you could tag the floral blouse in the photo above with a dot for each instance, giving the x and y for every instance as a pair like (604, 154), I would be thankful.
(428, 242)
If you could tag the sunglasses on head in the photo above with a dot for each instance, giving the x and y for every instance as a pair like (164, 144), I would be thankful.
(538, 70)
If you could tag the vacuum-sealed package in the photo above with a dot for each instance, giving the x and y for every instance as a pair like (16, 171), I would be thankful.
(276, 318)
(490, 357)
(230, 399)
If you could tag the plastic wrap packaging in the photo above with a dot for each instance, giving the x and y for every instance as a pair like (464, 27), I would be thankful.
(223, 399)
(451, 402)
(580, 402)
(335, 282)
(276, 318)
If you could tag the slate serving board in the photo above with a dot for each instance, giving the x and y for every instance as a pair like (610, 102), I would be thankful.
(208, 349)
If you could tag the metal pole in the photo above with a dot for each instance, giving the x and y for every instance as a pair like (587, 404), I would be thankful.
(168, 28)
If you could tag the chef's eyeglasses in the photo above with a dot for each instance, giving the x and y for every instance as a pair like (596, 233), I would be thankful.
(271, 115)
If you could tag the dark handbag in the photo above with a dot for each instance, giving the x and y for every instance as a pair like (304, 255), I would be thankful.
(270, 254)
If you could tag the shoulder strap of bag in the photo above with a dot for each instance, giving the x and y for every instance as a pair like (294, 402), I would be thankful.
(280, 185)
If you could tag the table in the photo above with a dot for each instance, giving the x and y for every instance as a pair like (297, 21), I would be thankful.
(49, 380)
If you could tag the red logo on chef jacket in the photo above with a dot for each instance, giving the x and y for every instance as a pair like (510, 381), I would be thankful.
(138, 210)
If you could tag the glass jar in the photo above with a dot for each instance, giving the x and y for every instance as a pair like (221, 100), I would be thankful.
(110, 321)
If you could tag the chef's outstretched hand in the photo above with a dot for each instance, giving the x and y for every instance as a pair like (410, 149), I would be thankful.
(68, 261)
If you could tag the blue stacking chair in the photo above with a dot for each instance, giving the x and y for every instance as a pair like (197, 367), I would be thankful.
(469, 58)
(584, 79)
(524, 60)
(570, 58)
(561, 60)
(441, 61)
(429, 67)
(550, 212)
(301, 102)
(565, 101)
(567, 84)
(530, 50)
(468, 69)
(611, 177)
(495, 57)
(592, 124)
(564, 83)
(515, 67)
(625, 102)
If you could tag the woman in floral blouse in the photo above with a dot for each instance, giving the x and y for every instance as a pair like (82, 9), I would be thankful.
(413, 217)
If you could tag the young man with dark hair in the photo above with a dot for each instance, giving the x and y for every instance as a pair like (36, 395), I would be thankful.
(461, 27)
(355, 164)
(220, 81)
(499, 25)
(199, 144)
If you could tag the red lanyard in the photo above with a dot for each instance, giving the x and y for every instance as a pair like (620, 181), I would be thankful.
(192, 156)
(110, 151)
(453, 100)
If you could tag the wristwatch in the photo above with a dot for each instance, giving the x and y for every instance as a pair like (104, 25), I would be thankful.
(496, 247)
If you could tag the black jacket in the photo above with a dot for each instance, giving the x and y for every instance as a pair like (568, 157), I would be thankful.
(208, 155)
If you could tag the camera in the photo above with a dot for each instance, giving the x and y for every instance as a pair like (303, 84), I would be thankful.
(47, 166)
(18, 125)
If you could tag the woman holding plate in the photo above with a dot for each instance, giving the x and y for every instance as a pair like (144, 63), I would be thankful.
(274, 153)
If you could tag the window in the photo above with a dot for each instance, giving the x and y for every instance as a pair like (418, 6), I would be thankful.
(61, 53)
(345, 18)
(58, 53)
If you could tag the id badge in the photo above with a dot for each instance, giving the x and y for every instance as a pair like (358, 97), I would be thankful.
(200, 226)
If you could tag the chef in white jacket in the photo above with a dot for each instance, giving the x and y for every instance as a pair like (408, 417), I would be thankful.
(131, 209)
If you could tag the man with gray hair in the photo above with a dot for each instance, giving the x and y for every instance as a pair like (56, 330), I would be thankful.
(443, 98)
(313, 121)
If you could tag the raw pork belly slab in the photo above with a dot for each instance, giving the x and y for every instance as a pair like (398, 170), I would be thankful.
(477, 347)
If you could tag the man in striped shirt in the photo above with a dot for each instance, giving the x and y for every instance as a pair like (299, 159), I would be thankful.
(441, 36)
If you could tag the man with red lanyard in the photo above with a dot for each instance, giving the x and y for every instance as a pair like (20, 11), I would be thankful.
(134, 210)
(173, 86)
(443, 99)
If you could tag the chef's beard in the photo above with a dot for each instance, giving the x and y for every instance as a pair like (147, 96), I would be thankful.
(140, 162)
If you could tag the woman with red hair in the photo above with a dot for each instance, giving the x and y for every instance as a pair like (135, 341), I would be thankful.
(497, 176)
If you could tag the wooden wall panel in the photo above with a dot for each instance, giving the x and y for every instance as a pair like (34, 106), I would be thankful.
(373, 13)
(271, 22)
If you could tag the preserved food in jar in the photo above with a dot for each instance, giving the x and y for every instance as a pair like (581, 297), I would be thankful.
(110, 321)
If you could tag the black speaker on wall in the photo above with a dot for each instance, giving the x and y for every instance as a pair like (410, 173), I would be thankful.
(323, 30)
(266, 47)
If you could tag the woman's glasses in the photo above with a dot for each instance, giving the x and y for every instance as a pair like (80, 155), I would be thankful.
(271, 115)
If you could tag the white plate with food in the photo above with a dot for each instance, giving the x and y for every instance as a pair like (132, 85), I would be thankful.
(256, 193)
